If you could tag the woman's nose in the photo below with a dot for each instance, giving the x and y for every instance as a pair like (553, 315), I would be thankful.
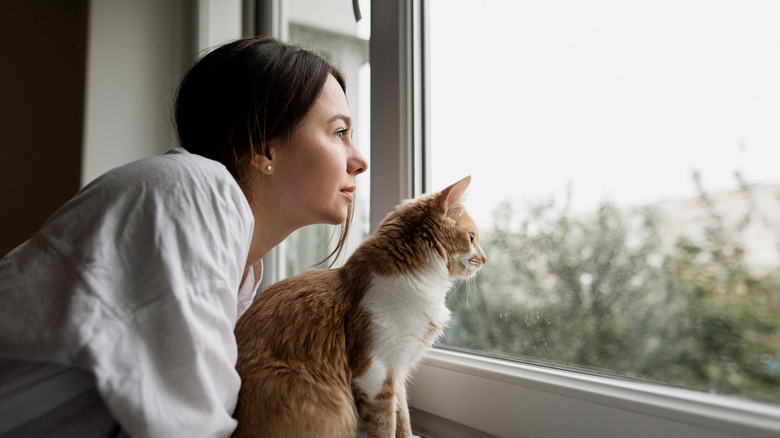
(357, 163)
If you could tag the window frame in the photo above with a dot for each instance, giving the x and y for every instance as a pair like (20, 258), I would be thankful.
(506, 398)
(394, 106)
(456, 394)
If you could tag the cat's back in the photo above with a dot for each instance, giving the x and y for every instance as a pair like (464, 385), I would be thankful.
(295, 306)
(319, 285)
(293, 362)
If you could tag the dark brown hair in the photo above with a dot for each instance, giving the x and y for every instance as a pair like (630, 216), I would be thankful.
(244, 94)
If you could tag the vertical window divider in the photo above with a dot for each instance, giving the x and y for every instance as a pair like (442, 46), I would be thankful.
(392, 106)
(418, 52)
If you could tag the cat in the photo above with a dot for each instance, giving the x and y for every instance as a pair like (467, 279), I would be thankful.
(329, 351)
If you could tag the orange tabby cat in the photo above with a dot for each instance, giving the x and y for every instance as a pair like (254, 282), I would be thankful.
(329, 350)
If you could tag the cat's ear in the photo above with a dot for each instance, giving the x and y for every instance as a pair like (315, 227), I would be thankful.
(451, 196)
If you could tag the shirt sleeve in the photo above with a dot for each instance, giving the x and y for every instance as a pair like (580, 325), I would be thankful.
(144, 295)
(170, 370)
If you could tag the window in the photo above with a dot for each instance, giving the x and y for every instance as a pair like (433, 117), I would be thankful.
(625, 181)
(580, 118)
(625, 161)
(330, 29)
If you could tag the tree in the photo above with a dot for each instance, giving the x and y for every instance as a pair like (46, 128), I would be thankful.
(602, 293)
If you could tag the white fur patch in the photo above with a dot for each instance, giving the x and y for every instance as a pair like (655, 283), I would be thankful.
(372, 380)
(465, 260)
(402, 310)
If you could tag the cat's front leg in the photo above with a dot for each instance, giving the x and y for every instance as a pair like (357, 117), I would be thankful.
(403, 426)
(376, 399)
(378, 415)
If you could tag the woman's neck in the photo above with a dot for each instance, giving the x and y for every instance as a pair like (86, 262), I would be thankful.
(270, 229)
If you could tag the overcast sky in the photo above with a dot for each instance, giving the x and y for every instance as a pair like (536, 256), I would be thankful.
(622, 99)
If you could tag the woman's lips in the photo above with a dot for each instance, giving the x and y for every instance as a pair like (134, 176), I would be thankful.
(348, 192)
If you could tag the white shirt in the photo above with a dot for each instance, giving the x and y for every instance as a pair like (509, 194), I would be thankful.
(122, 307)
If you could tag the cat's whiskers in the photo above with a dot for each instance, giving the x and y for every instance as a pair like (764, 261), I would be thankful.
(471, 265)
(465, 261)
(470, 262)
(469, 289)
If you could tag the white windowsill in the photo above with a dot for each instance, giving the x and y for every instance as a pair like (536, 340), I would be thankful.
(510, 399)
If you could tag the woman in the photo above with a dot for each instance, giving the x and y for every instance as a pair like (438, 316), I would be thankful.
(118, 314)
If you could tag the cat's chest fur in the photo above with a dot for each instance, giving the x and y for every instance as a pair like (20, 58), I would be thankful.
(407, 314)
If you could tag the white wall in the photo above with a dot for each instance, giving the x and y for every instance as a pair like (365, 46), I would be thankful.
(137, 52)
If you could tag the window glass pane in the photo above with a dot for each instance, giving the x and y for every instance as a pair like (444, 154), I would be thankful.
(626, 180)
(329, 28)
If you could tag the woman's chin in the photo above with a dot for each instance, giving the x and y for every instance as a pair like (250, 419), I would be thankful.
(336, 219)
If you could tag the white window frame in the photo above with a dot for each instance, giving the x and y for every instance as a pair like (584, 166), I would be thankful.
(456, 394)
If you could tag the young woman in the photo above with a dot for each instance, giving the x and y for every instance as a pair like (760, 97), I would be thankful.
(118, 314)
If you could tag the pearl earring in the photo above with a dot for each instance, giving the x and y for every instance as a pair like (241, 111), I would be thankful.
(268, 168)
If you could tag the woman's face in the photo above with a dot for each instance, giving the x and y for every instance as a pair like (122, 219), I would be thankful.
(318, 165)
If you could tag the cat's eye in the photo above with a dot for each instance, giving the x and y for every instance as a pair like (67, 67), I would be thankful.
(471, 236)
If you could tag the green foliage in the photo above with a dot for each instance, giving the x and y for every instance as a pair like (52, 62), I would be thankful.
(603, 294)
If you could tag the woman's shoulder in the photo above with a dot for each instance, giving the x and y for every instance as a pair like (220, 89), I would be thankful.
(150, 217)
(178, 189)
(170, 169)
(172, 179)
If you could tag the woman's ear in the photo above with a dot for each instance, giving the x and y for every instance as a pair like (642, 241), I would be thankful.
(264, 162)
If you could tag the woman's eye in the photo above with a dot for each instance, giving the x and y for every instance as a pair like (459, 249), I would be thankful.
(471, 236)
(341, 133)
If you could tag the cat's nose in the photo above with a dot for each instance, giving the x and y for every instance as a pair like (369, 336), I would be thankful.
(484, 260)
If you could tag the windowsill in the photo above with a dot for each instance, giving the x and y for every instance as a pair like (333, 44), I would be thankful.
(504, 398)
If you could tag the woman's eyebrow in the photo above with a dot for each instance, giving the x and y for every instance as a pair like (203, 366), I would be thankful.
(347, 119)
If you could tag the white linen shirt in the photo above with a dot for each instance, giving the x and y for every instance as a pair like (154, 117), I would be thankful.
(122, 307)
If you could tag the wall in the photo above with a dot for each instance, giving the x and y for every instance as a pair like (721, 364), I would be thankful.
(43, 46)
(138, 51)
(85, 86)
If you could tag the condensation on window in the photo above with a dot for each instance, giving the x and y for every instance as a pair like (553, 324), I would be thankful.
(625, 177)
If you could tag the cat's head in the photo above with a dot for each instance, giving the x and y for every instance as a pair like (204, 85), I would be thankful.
(437, 225)
(464, 255)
